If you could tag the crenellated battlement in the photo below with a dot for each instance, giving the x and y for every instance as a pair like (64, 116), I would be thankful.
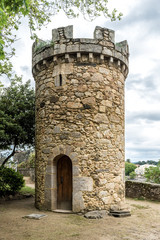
(64, 48)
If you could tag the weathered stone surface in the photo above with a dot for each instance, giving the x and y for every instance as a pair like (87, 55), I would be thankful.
(149, 191)
(89, 101)
(56, 129)
(78, 202)
(46, 150)
(76, 134)
(35, 216)
(74, 105)
(95, 214)
(68, 31)
(107, 52)
(97, 77)
(53, 99)
(64, 68)
(82, 88)
(83, 184)
(101, 118)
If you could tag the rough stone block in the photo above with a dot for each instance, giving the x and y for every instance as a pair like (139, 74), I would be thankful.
(56, 130)
(78, 202)
(97, 77)
(91, 48)
(107, 52)
(46, 150)
(95, 214)
(35, 216)
(89, 101)
(83, 184)
(55, 35)
(98, 34)
(72, 48)
(68, 31)
(101, 118)
(74, 105)
(65, 68)
(76, 170)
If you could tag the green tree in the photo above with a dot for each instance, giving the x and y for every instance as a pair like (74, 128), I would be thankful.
(29, 163)
(22, 155)
(128, 160)
(132, 175)
(129, 167)
(17, 120)
(152, 174)
(38, 13)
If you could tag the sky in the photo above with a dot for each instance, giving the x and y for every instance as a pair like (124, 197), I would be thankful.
(140, 26)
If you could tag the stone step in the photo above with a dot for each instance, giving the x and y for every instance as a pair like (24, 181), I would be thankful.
(119, 213)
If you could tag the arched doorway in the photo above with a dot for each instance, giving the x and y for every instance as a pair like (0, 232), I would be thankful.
(64, 183)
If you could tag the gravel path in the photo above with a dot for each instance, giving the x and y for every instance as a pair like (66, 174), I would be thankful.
(144, 224)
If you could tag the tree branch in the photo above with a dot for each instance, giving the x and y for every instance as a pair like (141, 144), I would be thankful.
(9, 156)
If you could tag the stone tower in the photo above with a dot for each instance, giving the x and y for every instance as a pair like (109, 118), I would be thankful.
(80, 121)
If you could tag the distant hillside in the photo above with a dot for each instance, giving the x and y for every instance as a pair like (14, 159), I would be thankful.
(151, 162)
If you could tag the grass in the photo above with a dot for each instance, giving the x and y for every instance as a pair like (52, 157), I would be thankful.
(140, 199)
(144, 199)
(27, 190)
(75, 235)
(140, 206)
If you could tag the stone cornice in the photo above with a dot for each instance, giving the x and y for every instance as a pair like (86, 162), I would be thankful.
(98, 50)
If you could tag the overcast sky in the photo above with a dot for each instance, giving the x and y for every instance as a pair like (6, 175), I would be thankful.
(140, 26)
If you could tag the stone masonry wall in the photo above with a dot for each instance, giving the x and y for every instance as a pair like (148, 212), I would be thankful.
(147, 191)
(28, 172)
(80, 113)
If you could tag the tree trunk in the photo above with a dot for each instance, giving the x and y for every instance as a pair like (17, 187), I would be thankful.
(9, 156)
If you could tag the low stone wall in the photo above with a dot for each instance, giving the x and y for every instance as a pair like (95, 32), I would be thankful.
(148, 191)
(28, 172)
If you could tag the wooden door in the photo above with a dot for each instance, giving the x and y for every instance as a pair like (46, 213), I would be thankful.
(64, 183)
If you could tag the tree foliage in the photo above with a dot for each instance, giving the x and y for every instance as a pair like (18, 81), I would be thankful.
(38, 13)
(29, 163)
(22, 156)
(129, 167)
(128, 160)
(152, 174)
(132, 175)
(17, 120)
(152, 162)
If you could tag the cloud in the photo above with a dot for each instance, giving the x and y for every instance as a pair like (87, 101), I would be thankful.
(147, 14)
(25, 69)
(149, 116)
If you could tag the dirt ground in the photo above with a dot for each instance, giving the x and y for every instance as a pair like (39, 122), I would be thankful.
(144, 223)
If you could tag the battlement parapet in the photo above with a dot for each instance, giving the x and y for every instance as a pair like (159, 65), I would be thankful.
(102, 48)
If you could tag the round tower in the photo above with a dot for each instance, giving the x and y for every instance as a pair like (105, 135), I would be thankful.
(80, 120)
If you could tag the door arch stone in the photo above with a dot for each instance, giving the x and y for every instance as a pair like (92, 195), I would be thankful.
(64, 183)
(79, 183)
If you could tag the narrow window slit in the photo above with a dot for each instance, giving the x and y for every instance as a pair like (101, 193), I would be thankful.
(60, 79)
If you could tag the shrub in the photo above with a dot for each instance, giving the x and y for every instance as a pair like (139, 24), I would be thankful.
(152, 174)
(31, 159)
(23, 165)
(43, 44)
(10, 181)
(132, 175)
(129, 167)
